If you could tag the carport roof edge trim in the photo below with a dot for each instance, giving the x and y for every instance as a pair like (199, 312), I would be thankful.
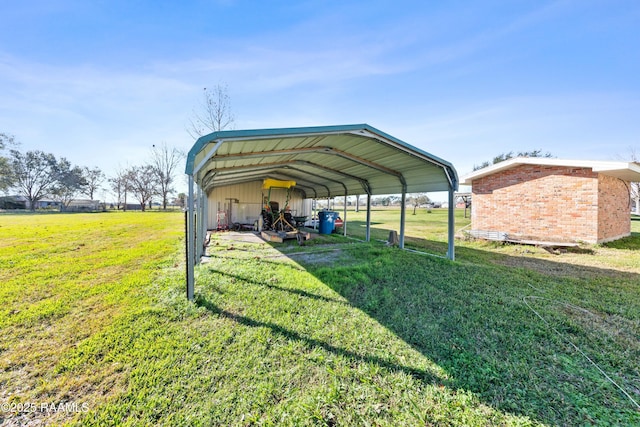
(230, 135)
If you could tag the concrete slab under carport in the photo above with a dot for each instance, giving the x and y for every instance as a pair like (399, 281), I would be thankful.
(238, 245)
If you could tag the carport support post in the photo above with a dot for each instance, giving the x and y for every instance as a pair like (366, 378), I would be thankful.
(205, 216)
(202, 221)
(190, 240)
(314, 209)
(344, 219)
(199, 240)
(368, 234)
(452, 226)
(403, 210)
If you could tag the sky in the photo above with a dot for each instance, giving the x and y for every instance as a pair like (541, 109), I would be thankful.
(100, 82)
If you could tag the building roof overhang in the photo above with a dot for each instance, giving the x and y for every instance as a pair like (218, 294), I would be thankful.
(627, 171)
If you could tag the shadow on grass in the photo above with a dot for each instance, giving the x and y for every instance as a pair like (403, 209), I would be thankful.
(310, 343)
(293, 291)
(631, 242)
(473, 321)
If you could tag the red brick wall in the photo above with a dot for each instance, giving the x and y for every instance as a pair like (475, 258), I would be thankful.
(613, 213)
(542, 203)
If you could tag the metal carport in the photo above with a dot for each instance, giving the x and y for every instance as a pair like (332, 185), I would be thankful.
(325, 161)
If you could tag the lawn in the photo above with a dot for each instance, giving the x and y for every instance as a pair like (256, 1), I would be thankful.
(339, 332)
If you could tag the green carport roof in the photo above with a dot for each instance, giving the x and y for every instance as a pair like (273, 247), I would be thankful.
(325, 161)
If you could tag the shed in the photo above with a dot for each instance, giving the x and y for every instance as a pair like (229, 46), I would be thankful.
(324, 162)
(546, 200)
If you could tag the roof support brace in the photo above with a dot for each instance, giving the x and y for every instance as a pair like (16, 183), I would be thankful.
(363, 182)
(300, 182)
(369, 164)
(206, 158)
(208, 177)
(316, 150)
(221, 172)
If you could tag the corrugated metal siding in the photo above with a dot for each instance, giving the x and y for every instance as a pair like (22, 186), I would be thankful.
(249, 205)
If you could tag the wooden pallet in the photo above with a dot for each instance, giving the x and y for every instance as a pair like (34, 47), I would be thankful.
(281, 236)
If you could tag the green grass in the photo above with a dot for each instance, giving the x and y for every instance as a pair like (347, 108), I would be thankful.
(337, 332)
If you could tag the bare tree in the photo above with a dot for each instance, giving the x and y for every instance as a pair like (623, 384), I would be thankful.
(510, 155)
(181, 200)
(35, 174)
(419, 199)
(93, 178)
(69, 181)
(164, 161)
(143, 184)
(119, 185)
(467, 200)
(214, 114)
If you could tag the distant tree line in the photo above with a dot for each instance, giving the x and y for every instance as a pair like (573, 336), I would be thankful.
(36, 175)
(149, 180)
(413, 199)
(510, 155)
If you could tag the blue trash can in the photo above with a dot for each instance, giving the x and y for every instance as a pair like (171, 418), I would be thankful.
(326, 221)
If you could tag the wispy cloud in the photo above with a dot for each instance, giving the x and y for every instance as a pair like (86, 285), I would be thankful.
(587, 125)
(87, 112)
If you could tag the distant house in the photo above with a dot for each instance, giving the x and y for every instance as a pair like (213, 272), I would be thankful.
(12, 202)
(83, 205)
(40, 204)
(552, 200)
(75, 205)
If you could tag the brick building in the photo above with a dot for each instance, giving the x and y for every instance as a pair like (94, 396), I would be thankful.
(552, 200)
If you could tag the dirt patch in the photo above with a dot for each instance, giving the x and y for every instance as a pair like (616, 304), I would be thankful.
(560, 268)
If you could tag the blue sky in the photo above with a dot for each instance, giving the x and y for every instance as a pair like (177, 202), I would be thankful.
(100, 82)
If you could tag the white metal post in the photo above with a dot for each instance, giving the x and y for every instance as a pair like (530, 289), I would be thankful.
(205, 214)
(368, 234)
(202, 222)
(452, 226)
(190, 241)
(403, 209)
(314, 214)
(344, 218)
